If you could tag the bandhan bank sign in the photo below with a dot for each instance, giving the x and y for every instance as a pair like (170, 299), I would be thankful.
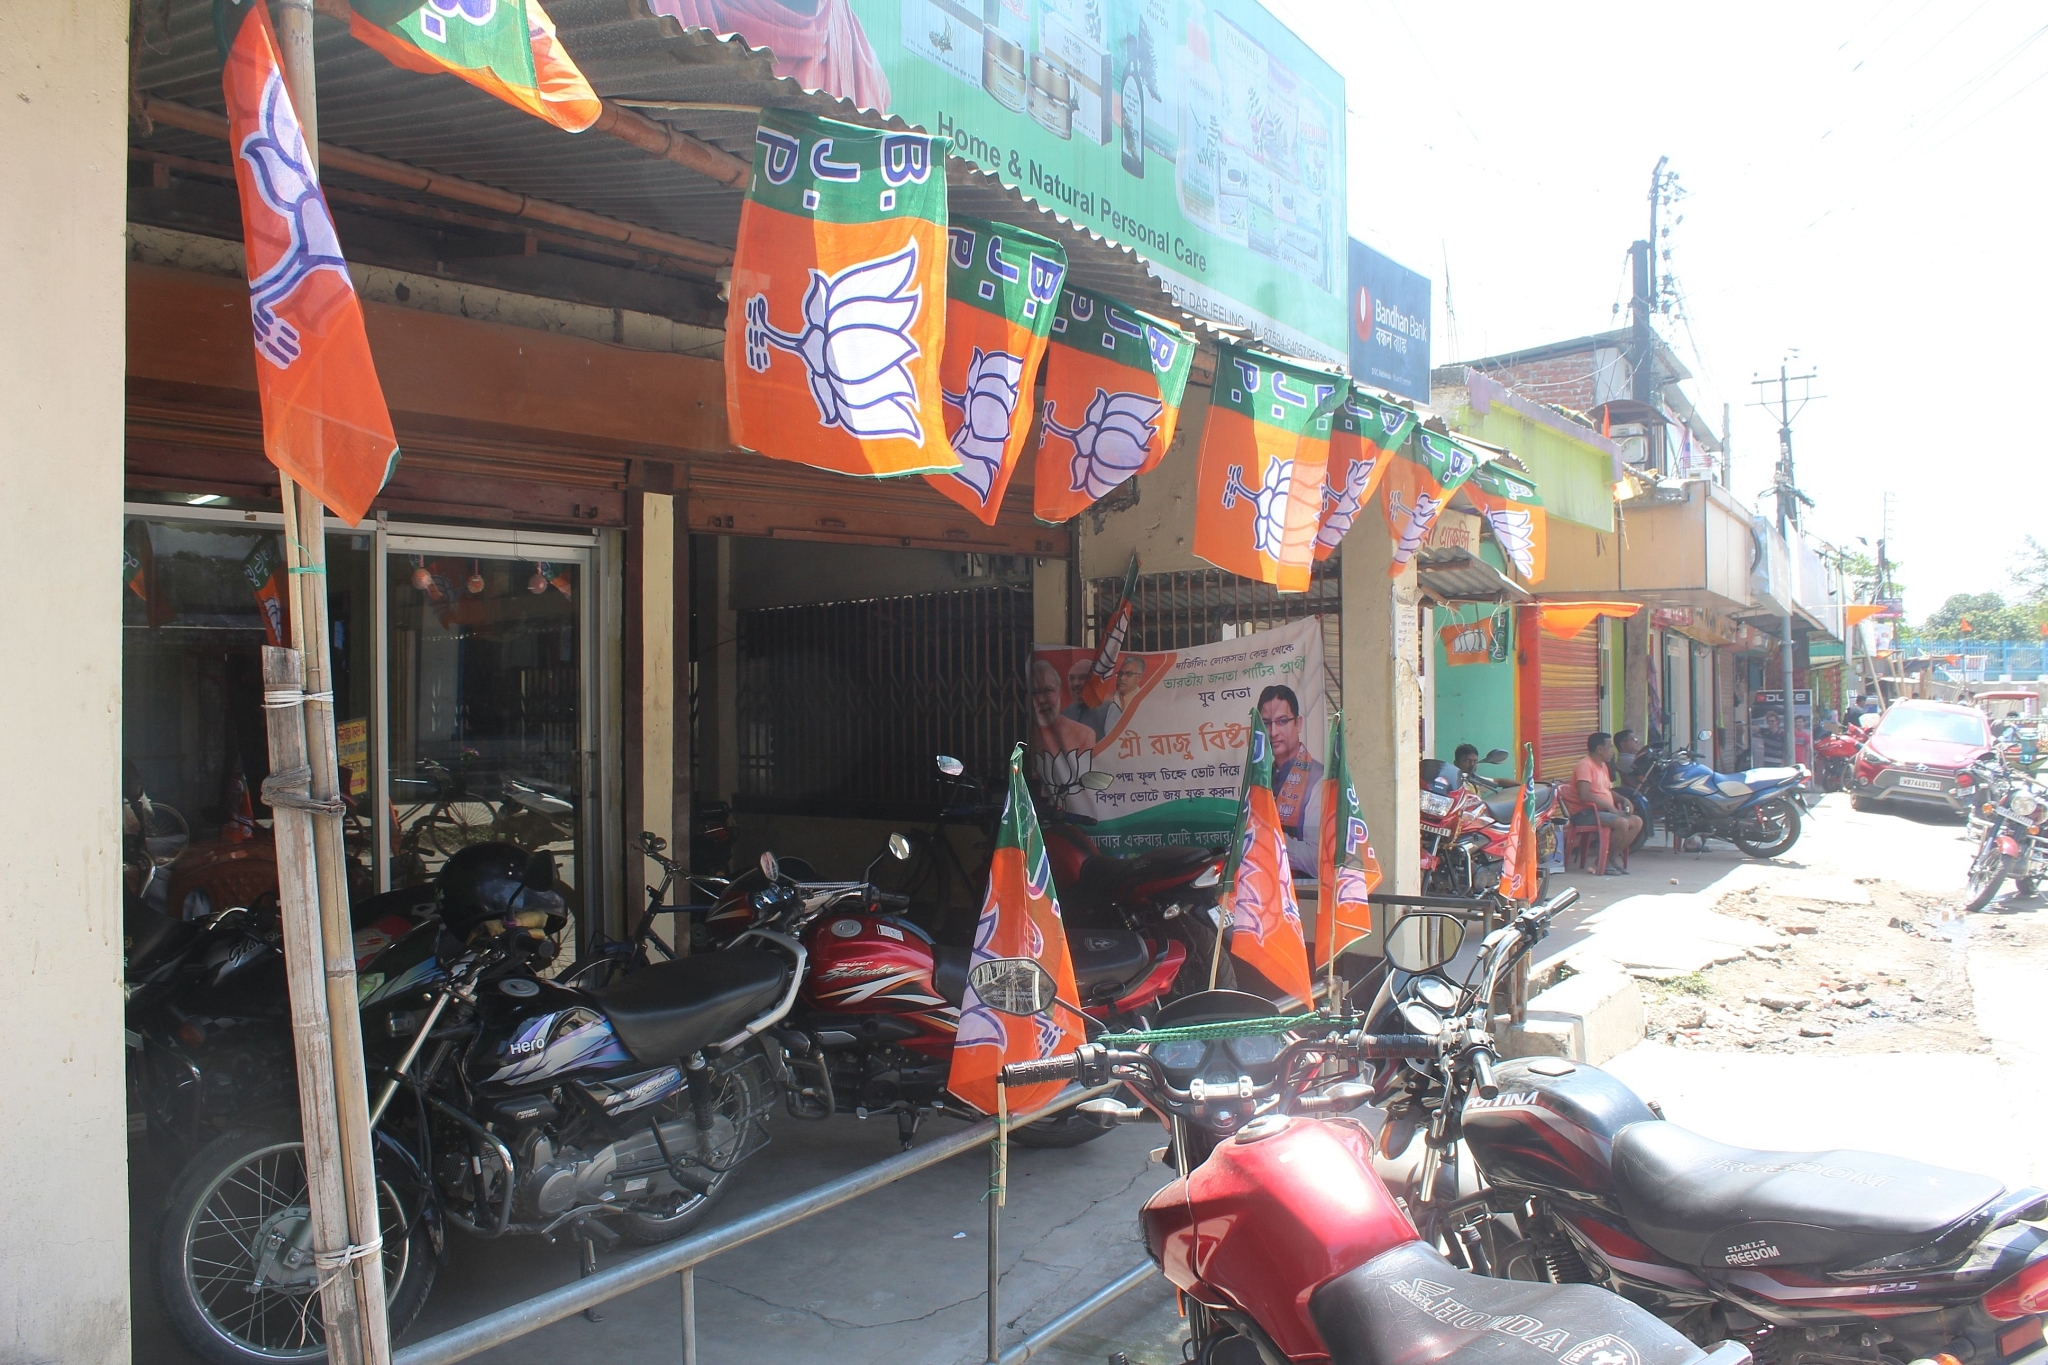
(1201, 133)
(1389, 343)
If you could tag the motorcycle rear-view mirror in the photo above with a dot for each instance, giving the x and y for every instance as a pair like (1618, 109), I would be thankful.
(1494, 756)
(1097, 781)
(950, 766)
(899, 848)
(1012, 985)
(1421, 942)
(770, 868)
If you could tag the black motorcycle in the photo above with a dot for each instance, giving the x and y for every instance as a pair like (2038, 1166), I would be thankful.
(2011, 812)
(1758, 810)
(503, 1104)
(1546, 1169)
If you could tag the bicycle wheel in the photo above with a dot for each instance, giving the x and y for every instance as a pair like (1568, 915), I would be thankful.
(164, 833)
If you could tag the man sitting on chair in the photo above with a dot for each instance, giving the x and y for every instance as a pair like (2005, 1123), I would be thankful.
(1590, 799)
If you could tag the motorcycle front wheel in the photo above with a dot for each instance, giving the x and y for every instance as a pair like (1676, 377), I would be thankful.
(1987, 873)
(228, 1229)
(1768, 829)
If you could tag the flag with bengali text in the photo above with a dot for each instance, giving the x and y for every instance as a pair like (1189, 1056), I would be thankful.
(1507, 498)
(1363, 436)
(837, 318)
(1020, 1001)
(324, 419)
(1347, 869)
(1258, 885)
(505, 48)
(1114, 380)
(1265, 454)
(1419, 482)
(1002, 290)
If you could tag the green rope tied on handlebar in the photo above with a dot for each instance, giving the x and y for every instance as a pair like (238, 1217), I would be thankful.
(1222, 1028)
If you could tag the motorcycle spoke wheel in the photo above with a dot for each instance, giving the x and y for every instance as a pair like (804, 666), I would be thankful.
(1987, 874)
(739, 1111)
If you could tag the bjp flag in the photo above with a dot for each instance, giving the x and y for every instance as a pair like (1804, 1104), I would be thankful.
(324, 419)
(505, 48)
(1258, 886)
(1520, 876)
(1420, 480)
(1101, 684)
(1363, 436)
(1347, 870)
(1019, 1005)
(1265, 453)
(1114, 380)
(838, 300)
(1002, 289)
(1514, 513)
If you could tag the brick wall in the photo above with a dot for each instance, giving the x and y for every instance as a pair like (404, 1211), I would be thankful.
(1566, 380)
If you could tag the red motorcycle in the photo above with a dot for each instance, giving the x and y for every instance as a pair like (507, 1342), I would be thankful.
(1465, 832)
(1284, 1244)
(1835, 754)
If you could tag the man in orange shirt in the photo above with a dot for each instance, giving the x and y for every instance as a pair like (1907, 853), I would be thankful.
(1591, 798)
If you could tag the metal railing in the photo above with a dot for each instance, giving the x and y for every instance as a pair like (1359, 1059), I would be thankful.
(681, 1258)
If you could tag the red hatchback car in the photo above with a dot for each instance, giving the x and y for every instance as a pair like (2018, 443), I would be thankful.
(1920, 754)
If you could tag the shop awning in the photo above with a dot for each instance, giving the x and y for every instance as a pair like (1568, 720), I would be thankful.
(1567, 619)
(1450, 575)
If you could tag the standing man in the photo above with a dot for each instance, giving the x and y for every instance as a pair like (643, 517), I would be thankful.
(1297, 778)
(1592, 797)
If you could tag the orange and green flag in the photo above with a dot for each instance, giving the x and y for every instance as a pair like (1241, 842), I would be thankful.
(1363, 437)
(1520, 875)
(1265, 454)
(1347, 869)
(505, 48)
(1258, 886)
(1019, 1004)
(1514, 513)
(1002, 290)
(1114, 380)
(1101, 683)
(1420, 480)
(837, 317)
(324, 419)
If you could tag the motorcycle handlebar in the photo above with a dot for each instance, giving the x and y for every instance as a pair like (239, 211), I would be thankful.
(1043, 1069)
(892, 898)
(1482, 1074)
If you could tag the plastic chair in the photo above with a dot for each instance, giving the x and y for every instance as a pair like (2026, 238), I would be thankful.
(1579, 841)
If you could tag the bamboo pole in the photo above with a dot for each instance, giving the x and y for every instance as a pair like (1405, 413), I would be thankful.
(303, 524)
(312, 1044)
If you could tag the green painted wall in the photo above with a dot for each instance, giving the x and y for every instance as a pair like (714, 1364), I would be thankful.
(1475, 703)
(1576, 480)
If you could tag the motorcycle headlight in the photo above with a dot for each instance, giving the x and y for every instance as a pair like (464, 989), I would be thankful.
(2024, 803)
(1432, 804)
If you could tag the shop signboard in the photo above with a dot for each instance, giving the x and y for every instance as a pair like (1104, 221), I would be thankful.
(1173, 737)
(1202, 134)
(1389, 324)
(1767, 727)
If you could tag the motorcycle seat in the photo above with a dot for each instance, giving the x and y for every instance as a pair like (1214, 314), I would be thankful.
(669, 1010)
(1704, 1203)
(1105, 879)
(1410, 1306)
(1106, 962)
(1502, 808)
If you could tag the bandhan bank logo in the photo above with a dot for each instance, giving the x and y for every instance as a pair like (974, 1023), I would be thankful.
(1361, 313)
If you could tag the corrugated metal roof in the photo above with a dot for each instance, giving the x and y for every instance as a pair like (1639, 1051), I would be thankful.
(1459, 576)
(692, 80)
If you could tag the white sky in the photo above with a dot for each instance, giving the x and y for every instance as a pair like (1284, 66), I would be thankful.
(1865, 183)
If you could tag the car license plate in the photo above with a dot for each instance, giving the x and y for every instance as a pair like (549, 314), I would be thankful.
(1925, 784)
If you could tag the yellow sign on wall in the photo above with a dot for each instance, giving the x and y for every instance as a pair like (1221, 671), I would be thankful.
(352, 752)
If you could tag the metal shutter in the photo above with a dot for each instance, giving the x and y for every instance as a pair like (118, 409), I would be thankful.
(1568, 701)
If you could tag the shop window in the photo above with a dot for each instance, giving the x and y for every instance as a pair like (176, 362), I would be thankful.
(842, 706)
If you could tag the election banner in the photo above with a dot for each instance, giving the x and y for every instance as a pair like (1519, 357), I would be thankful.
(1173, 738)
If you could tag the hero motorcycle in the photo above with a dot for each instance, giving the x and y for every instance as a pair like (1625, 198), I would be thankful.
(2013, 813)
(1758, 810)
(1285, 1245)
(1545, 1169)
(1465, 833)
(503, 1104)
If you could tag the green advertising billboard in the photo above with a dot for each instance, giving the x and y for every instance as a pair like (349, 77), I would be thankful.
(1201, 133)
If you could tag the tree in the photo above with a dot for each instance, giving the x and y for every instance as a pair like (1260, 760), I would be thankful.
(1988, 616)
(2030, 573)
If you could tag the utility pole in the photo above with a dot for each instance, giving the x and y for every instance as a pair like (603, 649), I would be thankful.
(1642, 344)
(1789, 500)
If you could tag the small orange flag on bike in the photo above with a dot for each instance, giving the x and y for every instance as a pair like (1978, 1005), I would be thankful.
(1520, 875)
(1019, 1003)
(1258, 889)
(324, 419)
(1347, 869)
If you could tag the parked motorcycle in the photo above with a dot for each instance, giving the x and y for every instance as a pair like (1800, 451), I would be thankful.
(503, 1104)
(1465, 832)
(1543, 1169)
(2013, 810)
(1835, 754)
(1282, 1241)
(1759, 811)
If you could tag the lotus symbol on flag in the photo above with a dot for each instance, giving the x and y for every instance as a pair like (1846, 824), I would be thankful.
(986, 411)
(1414, 522)
(1515, 529)
(278, 164)
(855, 341)
(1113, 440)
(1337, 524)
(1270, 525)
